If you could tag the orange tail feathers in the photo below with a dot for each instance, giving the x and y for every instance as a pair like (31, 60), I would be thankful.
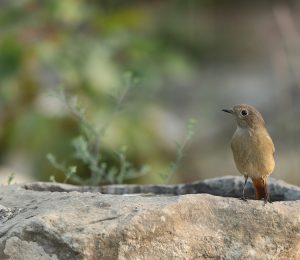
(260, 188)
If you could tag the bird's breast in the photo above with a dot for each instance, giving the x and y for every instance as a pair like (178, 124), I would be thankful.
(253, 152)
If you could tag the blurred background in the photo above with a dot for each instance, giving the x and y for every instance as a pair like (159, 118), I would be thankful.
(186, 59)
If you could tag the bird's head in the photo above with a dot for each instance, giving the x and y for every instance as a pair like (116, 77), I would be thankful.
(246, 116)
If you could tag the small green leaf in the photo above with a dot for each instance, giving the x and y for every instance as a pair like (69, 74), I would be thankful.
(10, 178)
(52, 178)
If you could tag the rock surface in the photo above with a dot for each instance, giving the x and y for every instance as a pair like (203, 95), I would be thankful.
(54, 221)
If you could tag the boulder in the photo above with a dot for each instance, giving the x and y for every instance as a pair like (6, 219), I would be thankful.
(188, 221)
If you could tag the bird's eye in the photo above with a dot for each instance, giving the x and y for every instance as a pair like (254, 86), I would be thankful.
(244, 112)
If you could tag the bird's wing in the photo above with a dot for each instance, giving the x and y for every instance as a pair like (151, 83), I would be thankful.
(271, 143)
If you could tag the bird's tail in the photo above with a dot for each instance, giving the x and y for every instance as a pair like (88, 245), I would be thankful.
(260, 188)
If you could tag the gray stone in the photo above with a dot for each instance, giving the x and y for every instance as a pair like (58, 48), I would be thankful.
(18, 249)
(54, 221)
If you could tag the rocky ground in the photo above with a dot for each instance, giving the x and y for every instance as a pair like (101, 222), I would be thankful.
(189, 221)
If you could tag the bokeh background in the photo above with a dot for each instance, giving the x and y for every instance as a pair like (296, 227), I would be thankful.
(189, 58)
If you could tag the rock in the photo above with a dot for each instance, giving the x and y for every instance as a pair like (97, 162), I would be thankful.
(226, 187)
(54, 221)
(18, 249)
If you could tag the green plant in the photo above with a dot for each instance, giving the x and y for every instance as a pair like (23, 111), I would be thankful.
(180, 147)
(87, 146)
(69, 171)
(10, 178)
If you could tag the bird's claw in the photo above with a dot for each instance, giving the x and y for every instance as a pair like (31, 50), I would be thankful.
(243, 199)
(267, 200)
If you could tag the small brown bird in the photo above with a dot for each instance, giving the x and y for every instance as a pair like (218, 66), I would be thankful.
(253, 149)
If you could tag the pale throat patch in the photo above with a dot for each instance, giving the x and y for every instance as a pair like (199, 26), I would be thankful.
(242, 131)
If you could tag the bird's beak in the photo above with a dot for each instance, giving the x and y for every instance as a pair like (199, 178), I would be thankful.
(230, 111)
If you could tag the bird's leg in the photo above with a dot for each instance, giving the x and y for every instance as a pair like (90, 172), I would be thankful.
(267, 195)
(243, 197)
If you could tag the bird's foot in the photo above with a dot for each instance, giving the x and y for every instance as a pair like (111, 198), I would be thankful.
(267, 200)
(243, 199)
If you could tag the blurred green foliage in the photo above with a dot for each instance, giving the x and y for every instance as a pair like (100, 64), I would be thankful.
(85, 46)
(89, 150)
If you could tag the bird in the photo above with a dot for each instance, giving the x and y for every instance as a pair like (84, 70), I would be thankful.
(253, 149)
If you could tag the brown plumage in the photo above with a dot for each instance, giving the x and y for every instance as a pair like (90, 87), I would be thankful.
(252, 148)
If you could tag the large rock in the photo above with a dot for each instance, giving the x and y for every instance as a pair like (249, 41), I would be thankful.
(53, 221)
